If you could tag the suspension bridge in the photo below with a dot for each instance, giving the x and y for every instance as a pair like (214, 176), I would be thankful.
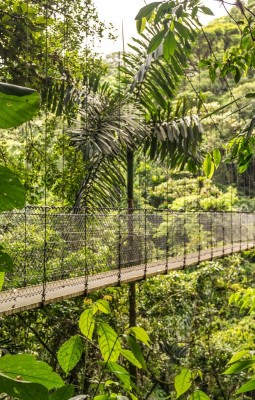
(58, 255)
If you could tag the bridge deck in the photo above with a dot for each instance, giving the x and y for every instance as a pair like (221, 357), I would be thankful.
(16, 300)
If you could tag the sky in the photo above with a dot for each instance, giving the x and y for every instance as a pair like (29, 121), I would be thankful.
(116, 11)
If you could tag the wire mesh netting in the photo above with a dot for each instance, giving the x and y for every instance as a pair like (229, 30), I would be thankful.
(50, 244)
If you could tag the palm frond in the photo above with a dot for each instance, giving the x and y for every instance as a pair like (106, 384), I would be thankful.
(103, 184)
(106, 127)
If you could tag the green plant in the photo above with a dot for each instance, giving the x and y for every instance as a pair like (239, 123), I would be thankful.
(116, 351)
(24, 377)
(18, 105)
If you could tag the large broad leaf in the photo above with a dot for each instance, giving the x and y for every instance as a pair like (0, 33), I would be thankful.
(25, 367)
(239, 355)
(22, 390)
(131, 358)
(182, 382)
(208, 166)
(6, 263)
(216, 157)
(12, 193)
(103, 306)
(247, 387)
(121, 373)
(239, 366)
(141, 335)
(136, 350)
(87, 323)
(17, 105)
(109, 343)
(63, 393)
(70, 353)
(199, 395)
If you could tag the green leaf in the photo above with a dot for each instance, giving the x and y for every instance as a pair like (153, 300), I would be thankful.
(237, 356)
(237, 75)
(181, 29)
(182, 382)
(247, 387)
(136, 350)
(87, 323)
(108, 341)
(27, 368)
(208, 166)
(12, 193)
(216, 157)
(221, 108)
(212, 74)
(131, 358)
(155, 41)
(194, 12)
(206, 10)
(70, 353)
(164, 8)
(169, 45)
(239, 366)
(18, 105)
(102, 397)
(140, 25)
(121, 373)
(146, 10)
(141, 335)
(243, 167)
(63, 393)
(6, 263)
(2, 274)
(199, 395)
(178, 11)
(250, 95)
(22, 389)
(103, 306)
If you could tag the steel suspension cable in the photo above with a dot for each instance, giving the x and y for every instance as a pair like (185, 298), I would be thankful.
(145, 217)
(25, 264)
(85, 209)
(119, 188)
(184, 231)
(199, 216)
(231, 205)
(45, 247)
(167, 224)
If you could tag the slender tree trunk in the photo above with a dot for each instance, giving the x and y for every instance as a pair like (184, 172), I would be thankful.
(130, 197)
(132, 286)
(130, 180)
(132, 304)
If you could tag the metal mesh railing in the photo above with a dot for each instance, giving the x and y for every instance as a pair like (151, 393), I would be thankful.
(86, 243)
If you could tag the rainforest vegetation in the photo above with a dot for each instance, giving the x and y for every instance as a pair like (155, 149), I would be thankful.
(175, 113)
